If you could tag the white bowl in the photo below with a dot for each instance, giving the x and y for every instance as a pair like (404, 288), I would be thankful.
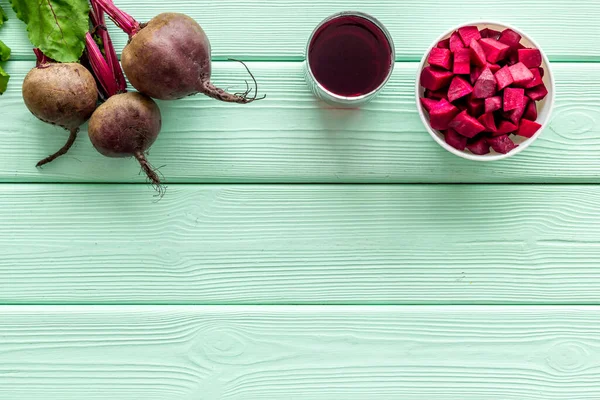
(544, 107)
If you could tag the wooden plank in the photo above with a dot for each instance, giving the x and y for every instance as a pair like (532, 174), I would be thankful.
(290, 244)
(279, 29)
(299, 353)
(289, 137)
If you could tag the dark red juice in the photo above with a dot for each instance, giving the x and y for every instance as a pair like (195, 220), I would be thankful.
(350, 56)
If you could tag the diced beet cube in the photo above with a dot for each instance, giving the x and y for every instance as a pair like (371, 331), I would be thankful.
(459, 88)
(475, 73)
(455, 140)
(532, 58)
(485, 86)
(433, 78)
(466, 125)
(537, 93)
(515, 115)
(462, 61)
(493, 103)
(504, 128)
(436, 94)
(477, 54)
(531, 111)
(537, 78)
(441, 115)
(478, 146)
(528, 128)
(444, 44)
(510, 38)
(512, 57)
(490, 33)
(501, 144)
(494, 50)
(456, 42)
(428, 104)
(476, 107)
(488, 121)
(541, 71)
(440, 58)
(503, 77)
(494, 67)
(521, 74)
(513, 98)
(468, 34)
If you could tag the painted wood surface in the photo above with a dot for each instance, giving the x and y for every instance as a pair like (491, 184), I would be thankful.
(290, 137)
(299, 353)
(279, 29)
(283, 244)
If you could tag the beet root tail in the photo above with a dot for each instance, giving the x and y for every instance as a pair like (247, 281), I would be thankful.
(210, 90)
(63, 150)
(150, 172)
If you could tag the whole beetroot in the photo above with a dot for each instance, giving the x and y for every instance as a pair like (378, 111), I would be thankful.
(126, 125)
(169, 57)
(63, 94)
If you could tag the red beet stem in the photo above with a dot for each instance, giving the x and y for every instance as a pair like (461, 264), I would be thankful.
(103, 72)
(41, 57)
(123, 20)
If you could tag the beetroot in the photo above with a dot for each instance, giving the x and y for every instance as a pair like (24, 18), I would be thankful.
(510, 38)
(532, 58)
(63, 94)
(433, 78)
(493, 103)
(458, 88)
(515, 115)
(504, 128)
(485, 86)
(455, 140)
(494, 67)
(531, 111)
(168, 57)
(504, 77)
(537, 78)
(501, 144)
(444, 44)
(126, 125)
(521, 74)
(488, 121)
(436, 94)
(537, 93)
(476, 107)
(468, 34)
(440, 58)
(513, 98)
(466, 125)
(441, 115)
(475, 74)
(528, 128)
(428, 104)
(490, 33)
(494, 50)
(478, 146)
(462, 61)
(456, 42)
(477, 54)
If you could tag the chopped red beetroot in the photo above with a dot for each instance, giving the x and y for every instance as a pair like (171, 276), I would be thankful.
(468, 34)
(466, 125)
(514, 98)
(531, 111)
(515, 115)
(455, 140)
(433, 78)
(503, 77)
(436, 94)
(493, 67)
(494, 50)
(440, 58)
(501, 144)
(441, 115)
(456, 42)
(493, 103)
(537, 93)
(490, 33)
(528, 128)
(478, 146)
(488, 121)
(504, 128)
(475, 73)
(459, 88)
(521, 74)
(485, 86)
(444, 44)
(428, 104)
(477, 54)
(475, 107)
(510, 38)
(532, 58)
(537, 78)
(462, 61)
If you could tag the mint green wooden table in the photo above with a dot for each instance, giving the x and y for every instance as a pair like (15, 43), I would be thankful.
(302, 253)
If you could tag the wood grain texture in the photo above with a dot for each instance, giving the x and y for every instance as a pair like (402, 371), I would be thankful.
(290, 137)
(299, 353)
(315, 244)
(279, 29)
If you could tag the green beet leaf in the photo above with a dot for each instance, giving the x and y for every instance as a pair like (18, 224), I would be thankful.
(57, 27)
(4, 55)
(3, 80)
(3, 16)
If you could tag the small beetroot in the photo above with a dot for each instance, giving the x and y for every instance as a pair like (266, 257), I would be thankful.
(513, 98)
(532, 58)
(537, 93)
(521, 74)
(441, 115)
(493, 103)
(494, 50)
(459, 88)
(455, 140)
(433, 78)
(466, 125)
(440, 58)
(528, 128)
(462, 61)
(478, 146)
(504, 77)
(485, 86)
(501, 144)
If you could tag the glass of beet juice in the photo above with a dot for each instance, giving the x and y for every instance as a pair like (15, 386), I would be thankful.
(349, 58)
